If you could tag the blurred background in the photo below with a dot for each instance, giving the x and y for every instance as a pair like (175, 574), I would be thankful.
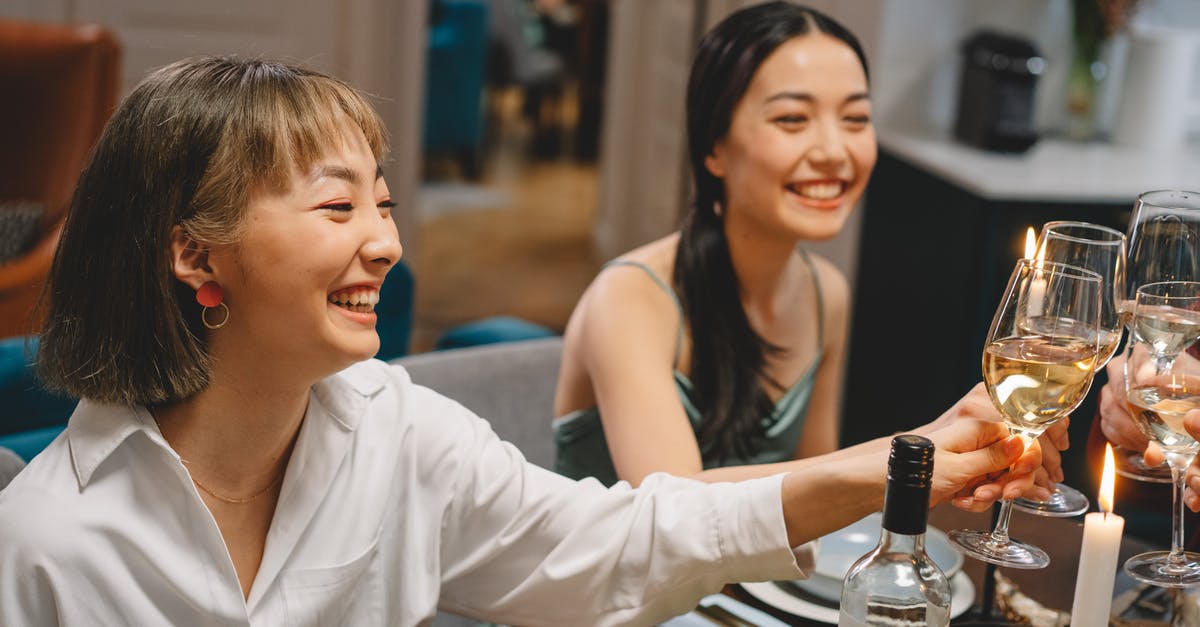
(534, 139)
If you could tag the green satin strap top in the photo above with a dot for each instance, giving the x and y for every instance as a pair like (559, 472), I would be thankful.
(581, 450)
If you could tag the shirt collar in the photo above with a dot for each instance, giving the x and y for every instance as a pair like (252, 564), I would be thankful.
(95, 430)
(345, 393)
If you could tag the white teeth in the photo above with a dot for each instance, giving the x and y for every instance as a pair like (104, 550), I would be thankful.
(358, 297)
(819, 191)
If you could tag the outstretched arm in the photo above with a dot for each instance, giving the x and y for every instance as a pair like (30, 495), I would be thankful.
(968, 451)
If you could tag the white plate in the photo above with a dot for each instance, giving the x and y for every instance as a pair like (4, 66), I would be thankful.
(962, 595)
(840, 549)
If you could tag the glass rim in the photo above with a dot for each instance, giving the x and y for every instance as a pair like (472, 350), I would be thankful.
(1117, 236)
(1064, 268)
(1152, 198)
(1141, 289)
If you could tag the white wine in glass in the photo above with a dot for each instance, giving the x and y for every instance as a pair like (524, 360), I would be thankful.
(1033, 379)
(1159, 410)
(1168, 330)
(1161, 388)
(1102, 250)
(1037, 366)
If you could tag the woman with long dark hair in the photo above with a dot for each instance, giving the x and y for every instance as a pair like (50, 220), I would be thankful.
(722, 345)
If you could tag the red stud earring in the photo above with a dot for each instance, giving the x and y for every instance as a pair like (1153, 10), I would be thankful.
(210, 295)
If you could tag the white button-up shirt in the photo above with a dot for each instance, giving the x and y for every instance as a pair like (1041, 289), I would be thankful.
(396, 502)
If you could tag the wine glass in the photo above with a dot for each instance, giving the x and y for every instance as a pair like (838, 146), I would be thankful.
(1101, 250)
(1162, 383)
(1164, 245)
(1037, 366)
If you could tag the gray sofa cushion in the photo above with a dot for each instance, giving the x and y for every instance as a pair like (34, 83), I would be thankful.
(10, 465)
(511, 385)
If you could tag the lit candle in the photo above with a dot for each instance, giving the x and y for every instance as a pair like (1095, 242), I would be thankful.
(1037, 285)
(1098, 560)
(1030, 243)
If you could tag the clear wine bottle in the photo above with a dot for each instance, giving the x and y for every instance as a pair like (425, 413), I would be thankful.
(896, 584)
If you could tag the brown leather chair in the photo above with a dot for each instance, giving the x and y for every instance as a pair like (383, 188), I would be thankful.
(60, 86)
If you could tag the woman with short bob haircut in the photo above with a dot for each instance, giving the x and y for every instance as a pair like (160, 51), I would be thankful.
(117, 315)
(238, 458)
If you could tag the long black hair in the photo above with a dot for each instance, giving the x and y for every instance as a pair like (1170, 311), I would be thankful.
(728, 359)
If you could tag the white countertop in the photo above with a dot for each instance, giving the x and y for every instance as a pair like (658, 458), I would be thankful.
(1053, 170)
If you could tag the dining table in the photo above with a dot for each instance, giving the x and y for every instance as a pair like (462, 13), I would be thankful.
(1051, 587)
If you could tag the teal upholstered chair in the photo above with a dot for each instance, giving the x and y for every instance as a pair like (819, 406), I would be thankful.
(494, 330)
(457, 52)
(27, 444)
(24, 404)
(395, 313)
(31, 416)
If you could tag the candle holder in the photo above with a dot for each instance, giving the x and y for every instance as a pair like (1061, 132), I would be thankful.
(1151, 606)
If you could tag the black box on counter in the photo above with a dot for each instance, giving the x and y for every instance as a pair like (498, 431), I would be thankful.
(995, 98)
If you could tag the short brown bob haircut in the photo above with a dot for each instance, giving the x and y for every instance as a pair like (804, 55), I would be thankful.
(189, 147)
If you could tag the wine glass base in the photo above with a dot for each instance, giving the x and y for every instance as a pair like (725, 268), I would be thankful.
(1063, 503)
(1013, 554)
(1155, 569)
(1129, 464)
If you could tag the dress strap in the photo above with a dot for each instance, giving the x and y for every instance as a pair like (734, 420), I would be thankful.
(820, 299)
(666, 288)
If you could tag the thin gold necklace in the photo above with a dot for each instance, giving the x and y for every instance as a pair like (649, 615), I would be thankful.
(208, 490)
(228, 499)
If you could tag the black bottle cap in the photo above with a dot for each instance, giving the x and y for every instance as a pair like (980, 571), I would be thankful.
(911, 461)
(910, 476)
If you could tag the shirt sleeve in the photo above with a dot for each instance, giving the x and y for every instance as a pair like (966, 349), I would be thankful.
(523, 545)
(27, 596)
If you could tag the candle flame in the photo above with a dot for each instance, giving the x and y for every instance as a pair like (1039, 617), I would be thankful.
(1030, 243)
(1107, 481)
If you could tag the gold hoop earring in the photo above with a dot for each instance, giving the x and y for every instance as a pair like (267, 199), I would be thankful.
(204, 316)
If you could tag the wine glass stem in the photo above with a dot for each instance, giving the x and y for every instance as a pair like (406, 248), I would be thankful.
(1178, 464)
(1163, 363)
(1000, 533)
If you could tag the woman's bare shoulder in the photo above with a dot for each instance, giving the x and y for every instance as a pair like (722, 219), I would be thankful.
(623, 279)
(835, 288)
(625, 294)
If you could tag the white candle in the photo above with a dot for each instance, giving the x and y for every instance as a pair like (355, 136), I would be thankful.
(1036, 293)
(1098, 559)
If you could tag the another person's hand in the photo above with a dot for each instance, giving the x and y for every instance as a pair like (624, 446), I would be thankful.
(1191, 492)
(977, 462)
(977, 405)
(1117, 423)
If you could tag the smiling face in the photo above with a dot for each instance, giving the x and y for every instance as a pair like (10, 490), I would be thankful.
(800, 145)
(302, 281)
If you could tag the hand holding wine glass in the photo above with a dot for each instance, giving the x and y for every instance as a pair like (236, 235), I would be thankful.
(1038, 364)
(1163, 245)
(1162, 385)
